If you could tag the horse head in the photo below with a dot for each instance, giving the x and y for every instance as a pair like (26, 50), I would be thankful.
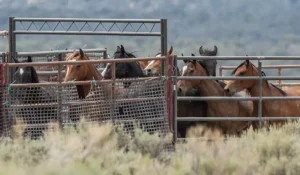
(154, 67)
(26, 74)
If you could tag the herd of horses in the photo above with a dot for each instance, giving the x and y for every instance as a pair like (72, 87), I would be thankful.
(209, 108)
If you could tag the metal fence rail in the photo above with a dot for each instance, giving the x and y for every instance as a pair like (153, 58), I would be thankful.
(50, 72)
(259, 98)
(38, 104)
(278, 67)
(49, 26)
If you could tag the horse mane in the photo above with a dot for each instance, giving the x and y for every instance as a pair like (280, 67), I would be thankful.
(262, 74)
(129, 54)
(34, 75)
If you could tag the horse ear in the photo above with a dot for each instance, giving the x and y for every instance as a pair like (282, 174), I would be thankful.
(201, 50)
(29, 59)
(194, 61)
(185, 61)
(81, 52)
(118, 49)
(170, 50)
(122, 50)
(215, 51)
(247, 63)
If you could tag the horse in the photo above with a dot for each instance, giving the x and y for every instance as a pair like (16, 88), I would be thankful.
(36, 116)
(125, 110)
(154, 67)
(123, 70)
(270, 108)
(86, 72)
(220, 108)
(195, 108)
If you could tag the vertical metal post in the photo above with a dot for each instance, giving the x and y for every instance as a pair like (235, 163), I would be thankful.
(12, 46)
(164, 43)
(260, 92)
(175, 100)
(104, 57)
(113, 77)
(220, 71)
(59, 98)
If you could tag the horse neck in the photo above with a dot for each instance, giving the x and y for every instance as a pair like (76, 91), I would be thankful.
(267, 89)
(210, 88)
(92, 74)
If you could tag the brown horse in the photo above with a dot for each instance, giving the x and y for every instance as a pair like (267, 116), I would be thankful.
(270, 108)
(219, 108)
(154, 67)
(82, 72)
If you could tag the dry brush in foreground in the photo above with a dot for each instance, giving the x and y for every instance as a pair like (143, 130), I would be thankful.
(100, 150)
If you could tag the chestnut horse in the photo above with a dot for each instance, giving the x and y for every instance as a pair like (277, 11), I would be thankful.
(82, 72)
(154, 67)
(270, 108)
(216, 108)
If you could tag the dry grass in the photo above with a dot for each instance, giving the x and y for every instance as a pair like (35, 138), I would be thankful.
(99, 150)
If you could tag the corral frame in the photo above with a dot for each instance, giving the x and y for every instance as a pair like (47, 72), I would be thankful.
(258, 98)
(13, 31)
(57, 52)
(279, 72)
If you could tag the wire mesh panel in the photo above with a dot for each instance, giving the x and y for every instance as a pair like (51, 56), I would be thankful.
(143, 102)
(1, 97)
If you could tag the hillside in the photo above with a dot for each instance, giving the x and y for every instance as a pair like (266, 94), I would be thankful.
(236, 27)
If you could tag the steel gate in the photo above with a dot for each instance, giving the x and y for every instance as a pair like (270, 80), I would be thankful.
(259, 98)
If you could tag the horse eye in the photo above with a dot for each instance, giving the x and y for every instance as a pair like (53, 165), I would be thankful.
(191, 71)
(78, 66)
(242, 73)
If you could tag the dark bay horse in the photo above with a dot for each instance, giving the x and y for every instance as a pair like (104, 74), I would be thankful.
(37, 117)
(125, 69)
(220, 108)
(270, 108)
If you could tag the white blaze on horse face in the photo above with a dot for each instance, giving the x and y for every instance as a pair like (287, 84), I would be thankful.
(68, 69)
(150, 64)
(105, 69)
(184, 69)
(21, 71)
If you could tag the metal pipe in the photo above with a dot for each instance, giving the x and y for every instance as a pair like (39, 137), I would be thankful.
(43, 73)
(264, 67)
(238, 58)
(190, 98)
(239, 78)
(117, 60)
(260, 94)
(86, 33)
(88, 20)
(83, 82)
(175, 100)
(81, 102)
(42, 53)
(234, 118)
